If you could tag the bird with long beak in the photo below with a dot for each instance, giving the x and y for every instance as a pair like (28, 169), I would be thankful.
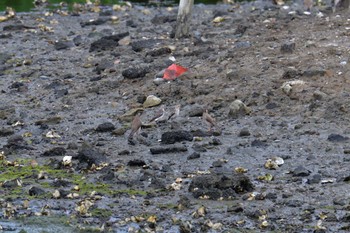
(176, 112)
(135, 126)
(208, 119)
(158, 116)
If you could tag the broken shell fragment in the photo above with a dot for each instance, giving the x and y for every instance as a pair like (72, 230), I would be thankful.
(67, 160)
(271, 165)
(278, 160)
(241, 170)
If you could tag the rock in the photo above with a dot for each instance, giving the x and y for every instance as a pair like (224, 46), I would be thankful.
(194, 155)
(131, 23)
(6, 132)
(151, 101)
(201, 133)
(198, 147)
(288, 86)
(337, 138)
(258, 143)
(159, 52)
(176, 136)
(340, 201)
(12, 183)
(16, 142)
(78, 40)
(136, 163)
(195, 111)
(294, 203)
(244, 132)
(300, 171)
(58, 183)
(234, 209)
(49, 121)
(105, 127)
(103, 44)
(315, 179)
(138, 46)
(56, 151)
(109, 176)
(218, 163)
(215, 186)
(158, 81)
(119, 131)
(290, 73)
(60, 45)
(288, 47)
(103, 65)
(35, 191)
(107, 42)
(184, 202)
(169, 149)
(314, 72)
(157, 183)
(237, 108)
(216, 142)
(16, 27)
(271, 105)
(90, 156)
(242, 44)
(319, 95)
(240, 30)
(135, 72)
(271, 196)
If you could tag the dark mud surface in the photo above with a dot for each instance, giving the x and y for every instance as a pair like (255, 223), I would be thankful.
(276, 81)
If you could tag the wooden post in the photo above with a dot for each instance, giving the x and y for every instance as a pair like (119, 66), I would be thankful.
(183, 18)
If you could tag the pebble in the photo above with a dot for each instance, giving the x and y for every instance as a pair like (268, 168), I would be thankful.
(288, 47)
(89, 155)
(60, 45)
(337, 138)
(194, 155)
(105, 127)
(136, 163)
(169, 149)
(244, 132)
(139, 45)
(151, 101)
(300, 171)
(56, 151)
(212, 185)
(176, 136)
(237, 108)
(135, 72)
(35, 191)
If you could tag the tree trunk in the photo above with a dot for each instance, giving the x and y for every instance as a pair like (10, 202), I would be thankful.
(183, 19)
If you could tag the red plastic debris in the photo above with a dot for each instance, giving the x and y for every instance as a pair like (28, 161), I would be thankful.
(173, 71)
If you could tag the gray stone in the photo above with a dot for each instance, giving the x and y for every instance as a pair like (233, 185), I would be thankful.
(237, 108)
(216, 186)
(301, 171)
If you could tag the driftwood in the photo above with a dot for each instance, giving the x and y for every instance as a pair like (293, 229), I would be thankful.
(183, 18)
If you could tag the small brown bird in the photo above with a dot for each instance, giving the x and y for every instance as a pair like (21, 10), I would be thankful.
(176, 112)
(159, 115)
(135, 126)
(208, 119)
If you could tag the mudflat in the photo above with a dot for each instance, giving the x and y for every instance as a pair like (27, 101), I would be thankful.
(270, 154)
